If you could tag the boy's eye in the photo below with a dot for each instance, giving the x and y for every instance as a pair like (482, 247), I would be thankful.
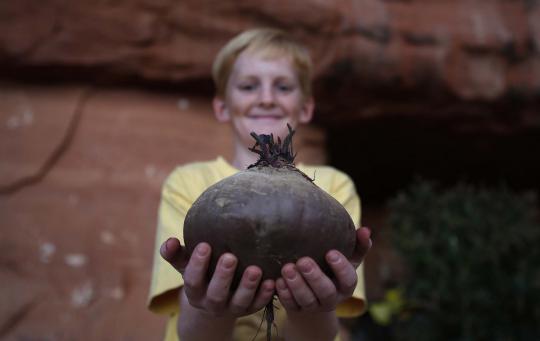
(247, 87)
(285, 87)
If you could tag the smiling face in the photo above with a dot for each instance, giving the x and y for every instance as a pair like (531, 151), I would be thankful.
(262, 95)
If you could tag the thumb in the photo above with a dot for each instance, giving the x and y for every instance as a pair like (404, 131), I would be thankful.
(175, 254)
(363, 244)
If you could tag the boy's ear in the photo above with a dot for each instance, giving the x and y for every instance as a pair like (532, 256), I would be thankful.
(307, 111)
(220, 109)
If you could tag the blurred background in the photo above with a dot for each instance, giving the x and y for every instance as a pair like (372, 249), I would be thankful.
(432, 107)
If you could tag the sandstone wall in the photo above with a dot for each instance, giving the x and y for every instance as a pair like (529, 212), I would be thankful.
(470, 49)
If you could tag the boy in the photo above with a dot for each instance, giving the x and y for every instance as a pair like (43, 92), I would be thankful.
(263, 82)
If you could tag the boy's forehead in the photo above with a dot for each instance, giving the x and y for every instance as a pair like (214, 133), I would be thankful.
(248, 62)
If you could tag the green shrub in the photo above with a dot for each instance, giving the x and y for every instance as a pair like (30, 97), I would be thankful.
(473, 263)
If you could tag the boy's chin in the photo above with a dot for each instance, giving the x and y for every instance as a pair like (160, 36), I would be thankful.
(278, 127)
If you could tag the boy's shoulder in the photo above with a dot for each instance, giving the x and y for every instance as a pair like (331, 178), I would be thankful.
(197, 166)
(326, 177)
(324, 171)
(202, 173)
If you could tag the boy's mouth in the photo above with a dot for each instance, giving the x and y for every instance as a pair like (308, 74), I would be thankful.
(266, 117)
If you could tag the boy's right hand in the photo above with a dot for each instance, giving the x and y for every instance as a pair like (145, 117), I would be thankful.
(214, 296)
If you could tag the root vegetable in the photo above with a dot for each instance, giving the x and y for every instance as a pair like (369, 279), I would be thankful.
(269, 215)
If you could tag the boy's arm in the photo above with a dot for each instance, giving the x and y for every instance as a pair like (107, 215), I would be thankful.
(195, 324)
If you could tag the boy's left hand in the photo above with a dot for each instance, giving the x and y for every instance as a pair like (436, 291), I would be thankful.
(305, 287)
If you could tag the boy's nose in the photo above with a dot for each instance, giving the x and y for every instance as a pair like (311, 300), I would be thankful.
(266, 97)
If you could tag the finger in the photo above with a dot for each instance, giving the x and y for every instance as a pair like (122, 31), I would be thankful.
(264, 295)
(195, 273)
(172, 251)
(243, 296)
(218, 292)
(363, 244)
(323, 288)
(285, 296)
(302, 293)
(344, 271)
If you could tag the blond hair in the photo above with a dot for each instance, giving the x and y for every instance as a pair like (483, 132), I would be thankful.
(268, 43)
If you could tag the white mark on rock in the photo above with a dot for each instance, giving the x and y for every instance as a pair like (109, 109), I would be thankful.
(75, 260)
(107, 237)
(81, 296)
(27, 117)
(24, 118)
(117, 293)
(46, 252)
(13, 122)
(150, 171)
(21, 113)
(183, 104)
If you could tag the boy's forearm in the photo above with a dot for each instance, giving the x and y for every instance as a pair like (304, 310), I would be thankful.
(311, 326)
(197, 325)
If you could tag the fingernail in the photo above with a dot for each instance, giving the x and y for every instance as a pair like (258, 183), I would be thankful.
(369, 230)
(253, 276)
(164, 246)
(228, 261)
(202, 250)
(305, 266)
(333, 257)
(269, 286)
(289, 272)
(167, 244)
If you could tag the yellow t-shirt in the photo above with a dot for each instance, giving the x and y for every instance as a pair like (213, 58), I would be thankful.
(183, 186)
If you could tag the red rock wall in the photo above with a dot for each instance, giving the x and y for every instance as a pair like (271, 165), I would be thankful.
(471, 49)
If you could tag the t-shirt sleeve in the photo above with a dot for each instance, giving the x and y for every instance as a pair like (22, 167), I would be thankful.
(344, 191)
(166, 281)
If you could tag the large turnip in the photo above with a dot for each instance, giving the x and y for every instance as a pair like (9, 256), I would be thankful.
(269, 215)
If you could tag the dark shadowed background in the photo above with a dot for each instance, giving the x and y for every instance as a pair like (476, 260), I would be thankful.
(99, 100)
